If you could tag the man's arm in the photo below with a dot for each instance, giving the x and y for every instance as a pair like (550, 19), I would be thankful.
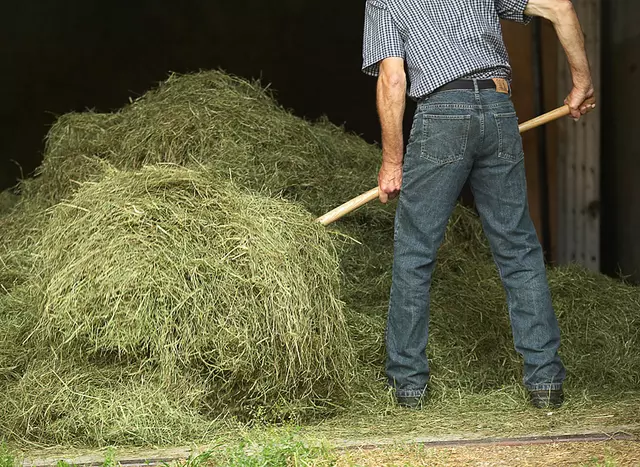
(567, 26)
(391, 95)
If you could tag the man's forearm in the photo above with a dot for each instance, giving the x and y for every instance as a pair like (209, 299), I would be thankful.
(391, 105)
(565, 21)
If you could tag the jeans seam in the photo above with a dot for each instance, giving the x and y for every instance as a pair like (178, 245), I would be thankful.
(502, 154)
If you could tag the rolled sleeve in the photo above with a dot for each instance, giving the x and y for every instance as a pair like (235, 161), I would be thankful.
(513, 10)
(381, 37)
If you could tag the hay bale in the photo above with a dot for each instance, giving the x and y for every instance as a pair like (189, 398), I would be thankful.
(177, 270)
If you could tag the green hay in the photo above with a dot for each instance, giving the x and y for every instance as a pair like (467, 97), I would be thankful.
(232, 127)
(72, 156)
(16, 321)
(179, 271)
(11, 235)
(94, 276)
(62, 401)
(8, 200)
(600, 322)
(20, 229)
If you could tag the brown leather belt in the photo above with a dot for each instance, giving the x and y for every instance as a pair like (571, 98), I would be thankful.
(499, 84)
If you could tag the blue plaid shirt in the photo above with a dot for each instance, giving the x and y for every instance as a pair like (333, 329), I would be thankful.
(440, 40)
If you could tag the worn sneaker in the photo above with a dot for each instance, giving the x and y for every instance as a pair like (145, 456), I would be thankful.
(546, 399)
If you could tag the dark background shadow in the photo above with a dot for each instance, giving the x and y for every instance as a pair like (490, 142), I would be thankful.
(74, 55)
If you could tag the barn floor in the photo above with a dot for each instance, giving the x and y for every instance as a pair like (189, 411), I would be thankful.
(463, 433)
(609, 453)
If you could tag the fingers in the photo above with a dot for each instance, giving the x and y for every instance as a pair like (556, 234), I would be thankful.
(384, 198)
(574, 112)
(577, 112)
(580, 107)
(389, 183)
(586, 108)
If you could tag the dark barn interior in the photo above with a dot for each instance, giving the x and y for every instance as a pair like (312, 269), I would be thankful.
(70, 56)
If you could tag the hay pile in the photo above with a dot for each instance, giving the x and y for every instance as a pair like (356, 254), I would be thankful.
(190, 278)
(163, 271)
(229, 127)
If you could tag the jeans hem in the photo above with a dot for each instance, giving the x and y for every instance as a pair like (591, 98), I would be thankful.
(410, 392)
(545, 387)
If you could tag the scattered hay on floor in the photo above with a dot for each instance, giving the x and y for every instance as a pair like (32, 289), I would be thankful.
(62, 400)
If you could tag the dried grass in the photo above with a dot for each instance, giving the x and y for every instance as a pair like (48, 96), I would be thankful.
(198, 293)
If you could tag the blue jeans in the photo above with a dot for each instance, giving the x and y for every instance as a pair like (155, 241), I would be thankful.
(473, 135)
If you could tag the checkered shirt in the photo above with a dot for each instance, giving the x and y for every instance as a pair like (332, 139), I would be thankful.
(440, 40)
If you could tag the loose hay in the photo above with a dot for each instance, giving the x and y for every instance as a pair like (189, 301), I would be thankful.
(60, 400)
(231, 126)
(222, 301)
(20, 229)
(189, 275)
(72, 156)
(8, 200)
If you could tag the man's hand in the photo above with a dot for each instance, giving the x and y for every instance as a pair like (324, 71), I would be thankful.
(389, 181)
(581, 100)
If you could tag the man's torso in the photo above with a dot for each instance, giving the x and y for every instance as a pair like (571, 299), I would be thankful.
(449, 39)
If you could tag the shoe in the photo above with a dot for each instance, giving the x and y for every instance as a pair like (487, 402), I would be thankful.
(546, 399)
(413, 402)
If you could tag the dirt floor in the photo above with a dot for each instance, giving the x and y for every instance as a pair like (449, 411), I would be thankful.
(609, 454)
(611, 446)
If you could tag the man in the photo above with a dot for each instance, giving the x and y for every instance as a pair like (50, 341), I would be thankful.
(465, 128)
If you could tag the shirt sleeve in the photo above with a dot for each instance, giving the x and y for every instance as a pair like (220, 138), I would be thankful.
(513, 10)
(381, 37)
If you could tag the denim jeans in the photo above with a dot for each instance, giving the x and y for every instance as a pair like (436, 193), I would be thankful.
(461, 135)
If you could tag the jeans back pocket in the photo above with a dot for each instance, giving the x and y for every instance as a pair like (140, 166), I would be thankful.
(509, 139)
(445, 137)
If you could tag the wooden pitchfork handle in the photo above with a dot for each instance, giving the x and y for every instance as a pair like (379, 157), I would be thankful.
(372, 194)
